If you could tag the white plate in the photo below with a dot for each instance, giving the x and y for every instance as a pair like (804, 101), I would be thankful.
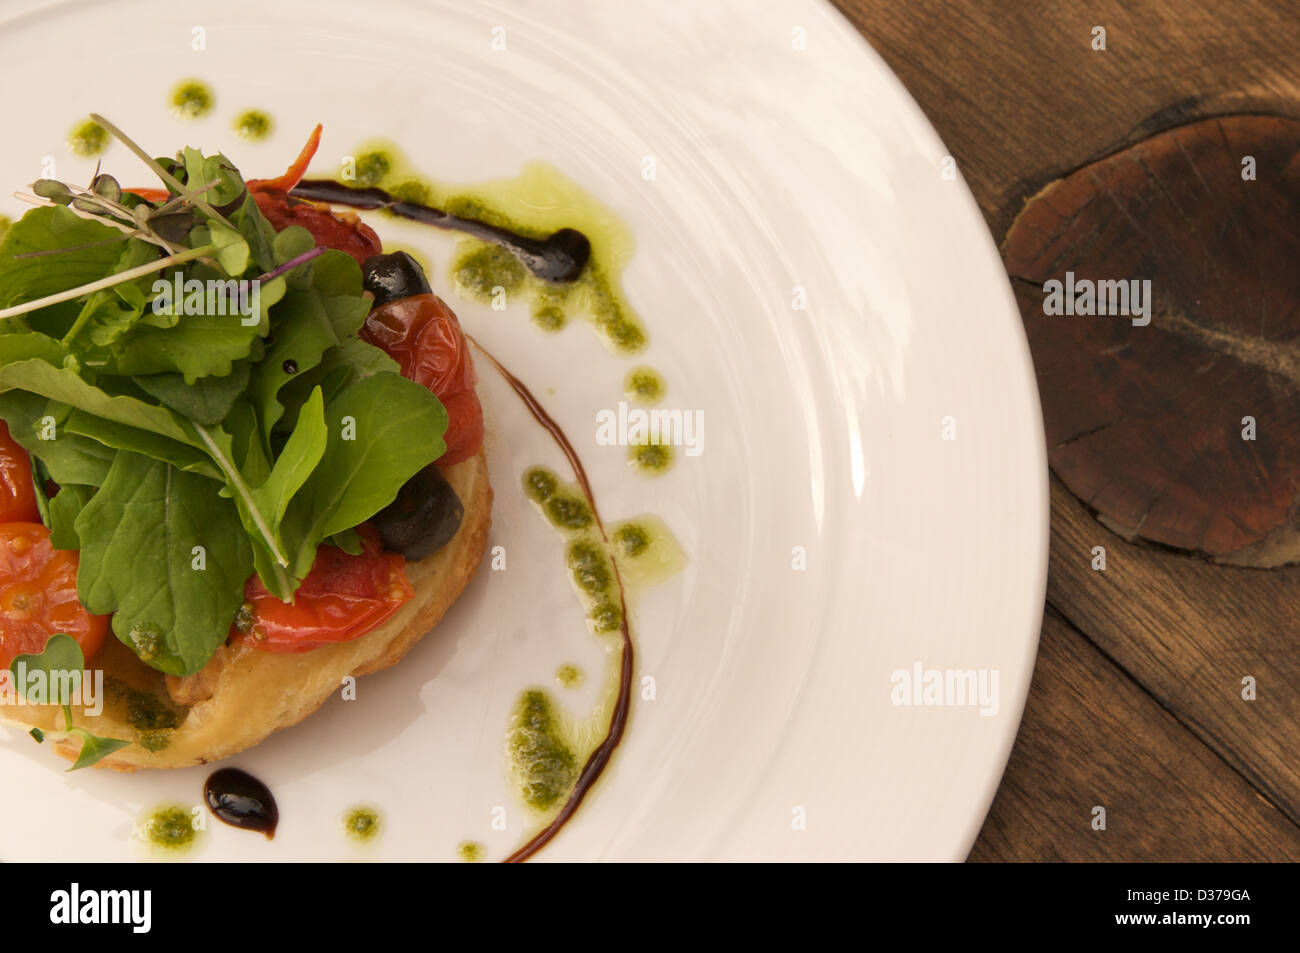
(777, 167)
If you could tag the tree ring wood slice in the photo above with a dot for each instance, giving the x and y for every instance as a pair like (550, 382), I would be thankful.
(1147, 425)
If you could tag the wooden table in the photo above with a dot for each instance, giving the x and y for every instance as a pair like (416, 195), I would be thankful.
(1136, 703)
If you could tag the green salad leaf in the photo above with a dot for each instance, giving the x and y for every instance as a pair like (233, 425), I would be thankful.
(48, 230)
(193, 381)
(165, 553)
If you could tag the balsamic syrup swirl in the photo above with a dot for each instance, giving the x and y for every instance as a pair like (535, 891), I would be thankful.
(599, 758)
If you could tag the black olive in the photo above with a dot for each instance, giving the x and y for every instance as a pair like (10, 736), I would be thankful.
(389, 277)
(423, 518)
(240, 800)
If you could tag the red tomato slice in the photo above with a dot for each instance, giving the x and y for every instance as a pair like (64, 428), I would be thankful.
(17, 497)
(342, 598)
(422, 334)
(38, 595)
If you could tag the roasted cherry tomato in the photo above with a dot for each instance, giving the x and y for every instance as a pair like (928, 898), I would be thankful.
(17, 498)
(341, 230)
(342, 598)
(422, 334)
(38, 595)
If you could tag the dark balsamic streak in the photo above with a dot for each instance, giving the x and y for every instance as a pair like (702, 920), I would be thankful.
(560, 257)
(599, 759)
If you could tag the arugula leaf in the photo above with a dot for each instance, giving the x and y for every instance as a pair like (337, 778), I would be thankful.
(30, 345)
(312, 323)
(62, 654)
(40, 477)
(70, 458)
(64, 508)
(110, 313)
(246, 448)
(172, 605)
(301, 453)
(302, 335)
(382, 430)
(207, 401)
(258, 232)
(349, 541)
(65, 385)
(119, 436)
(340, 366)
(50, 229)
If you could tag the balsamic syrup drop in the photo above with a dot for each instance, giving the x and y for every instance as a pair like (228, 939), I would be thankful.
(240, 800)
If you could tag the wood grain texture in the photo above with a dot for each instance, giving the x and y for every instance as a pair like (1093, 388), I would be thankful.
(1093, 737)
(1137, 694)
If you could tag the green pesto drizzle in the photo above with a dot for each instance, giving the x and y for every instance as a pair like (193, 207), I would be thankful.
(542, 762)
(192, 99)
(588, 562)
(153, 716)
(253, 125)
(88, 139)
(537, 202)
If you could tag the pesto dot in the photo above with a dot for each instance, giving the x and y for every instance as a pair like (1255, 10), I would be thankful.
(362, 823)
(171, 828)
(653, 458)
(88, 139)
(625, 335)
(412, 190)
(632, 540)
(546, 767)
(570, 676)
(644, 385)
(372, 168)
(589, 566)
(550, 318)
(540, 484)
(471, 851)
(253, 125)
(485, 269)
(192, 99)
(568, 512)
(605, 617)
